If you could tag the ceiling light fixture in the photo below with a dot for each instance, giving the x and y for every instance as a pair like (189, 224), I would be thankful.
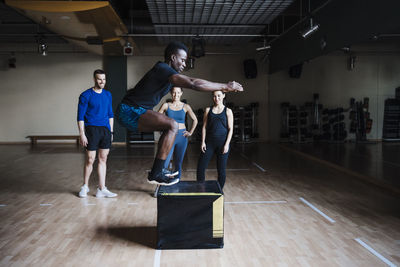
(264, 47)
(310, 30)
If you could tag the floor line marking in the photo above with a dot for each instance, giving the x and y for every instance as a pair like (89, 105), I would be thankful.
(132, 203)
(258, 166)
(90, 204)
(46, 204)
(157, 258)
(317, 210)
(373, 251)
(257, 202)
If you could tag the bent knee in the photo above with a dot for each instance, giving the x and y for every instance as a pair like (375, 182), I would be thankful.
(173, 126)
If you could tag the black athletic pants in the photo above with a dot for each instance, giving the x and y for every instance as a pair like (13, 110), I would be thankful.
(214, 145)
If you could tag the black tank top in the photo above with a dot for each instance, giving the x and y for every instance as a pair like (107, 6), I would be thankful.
(217, 124)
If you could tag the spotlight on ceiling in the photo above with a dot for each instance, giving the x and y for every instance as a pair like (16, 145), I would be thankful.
(310, 29)
(42, 48)
(198, 47)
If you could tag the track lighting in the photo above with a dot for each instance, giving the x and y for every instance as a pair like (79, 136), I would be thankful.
(310, 30)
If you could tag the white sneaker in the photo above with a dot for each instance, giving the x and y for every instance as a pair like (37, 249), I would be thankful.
(105, 193)
(84, 191)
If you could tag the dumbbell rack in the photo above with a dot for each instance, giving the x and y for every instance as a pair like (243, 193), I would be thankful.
(391, 120)
(245, 123)
(360, 121)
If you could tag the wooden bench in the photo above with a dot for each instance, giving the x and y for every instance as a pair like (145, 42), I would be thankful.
(35, 138)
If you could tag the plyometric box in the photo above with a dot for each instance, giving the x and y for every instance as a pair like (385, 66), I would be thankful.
(190, 215)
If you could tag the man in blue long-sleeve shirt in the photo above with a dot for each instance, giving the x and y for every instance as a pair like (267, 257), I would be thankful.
(95, 123)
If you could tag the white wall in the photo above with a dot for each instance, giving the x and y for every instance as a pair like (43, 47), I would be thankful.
(41, 95)
(376, 75)
(218, 68)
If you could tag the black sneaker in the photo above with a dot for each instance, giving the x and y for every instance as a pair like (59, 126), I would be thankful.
(162, 178)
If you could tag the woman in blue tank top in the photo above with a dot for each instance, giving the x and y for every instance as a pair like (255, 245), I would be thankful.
(216, 136)
(177, 110)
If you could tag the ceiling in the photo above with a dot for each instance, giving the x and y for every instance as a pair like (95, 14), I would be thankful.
(218, 22)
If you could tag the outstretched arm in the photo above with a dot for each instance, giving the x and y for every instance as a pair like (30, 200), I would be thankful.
(204, 85)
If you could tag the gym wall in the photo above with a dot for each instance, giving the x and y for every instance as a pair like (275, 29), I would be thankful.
(218, 68)
(40, 96)
(376, 75)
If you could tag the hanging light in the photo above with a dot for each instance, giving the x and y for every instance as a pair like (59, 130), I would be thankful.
(310, 30)
(264, 47)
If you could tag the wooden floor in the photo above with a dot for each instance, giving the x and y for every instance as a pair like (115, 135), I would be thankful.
(378, 162)
(270, 194)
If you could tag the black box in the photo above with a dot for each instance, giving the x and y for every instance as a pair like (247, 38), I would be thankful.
(190, 215)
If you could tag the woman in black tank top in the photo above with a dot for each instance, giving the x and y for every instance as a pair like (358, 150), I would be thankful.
(216, 137)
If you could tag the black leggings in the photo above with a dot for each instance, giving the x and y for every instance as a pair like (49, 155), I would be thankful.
(213, 146)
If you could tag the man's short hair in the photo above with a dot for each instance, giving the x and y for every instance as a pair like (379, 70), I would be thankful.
(98, 71)
(173, 48)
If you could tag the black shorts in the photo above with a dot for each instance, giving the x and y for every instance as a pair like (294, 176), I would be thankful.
(98, 137)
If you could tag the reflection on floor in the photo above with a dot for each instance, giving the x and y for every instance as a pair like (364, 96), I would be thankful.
(281, 209)
(378, 162)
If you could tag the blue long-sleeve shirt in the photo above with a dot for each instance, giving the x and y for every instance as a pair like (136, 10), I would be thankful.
(95, 109)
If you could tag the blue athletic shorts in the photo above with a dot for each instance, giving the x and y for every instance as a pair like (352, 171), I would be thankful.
(129, 116)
